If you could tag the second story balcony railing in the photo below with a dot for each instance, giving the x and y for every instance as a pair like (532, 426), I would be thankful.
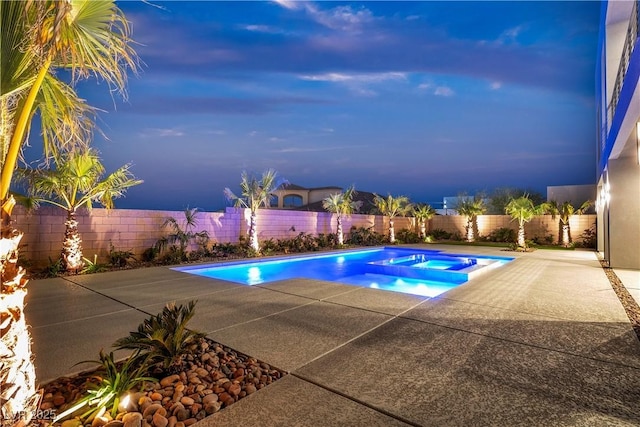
(629, 44)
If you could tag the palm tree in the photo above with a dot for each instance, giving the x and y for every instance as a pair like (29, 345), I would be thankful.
(183, 237)
(392, 207)
(523, 210)
(471, 208)
(77, 181)
(565, 211)
(88, 38)
(423, 213)
(255, 194)
(343, 205)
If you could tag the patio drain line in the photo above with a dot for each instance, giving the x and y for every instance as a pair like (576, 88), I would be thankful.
(630, 305)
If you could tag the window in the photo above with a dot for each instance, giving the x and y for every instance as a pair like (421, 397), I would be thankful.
(292, 201)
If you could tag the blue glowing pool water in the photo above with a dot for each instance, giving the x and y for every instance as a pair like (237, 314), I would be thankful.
(412, 271)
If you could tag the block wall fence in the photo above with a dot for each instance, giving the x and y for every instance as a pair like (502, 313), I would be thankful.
(136, 230)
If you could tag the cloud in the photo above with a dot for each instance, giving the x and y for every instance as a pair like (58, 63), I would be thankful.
(510, 35)
(496, 85)
(358, 78)
(314, 149)
(160, 133)
(443, 91)
(343, 18)
(262, 29)
(358, 84)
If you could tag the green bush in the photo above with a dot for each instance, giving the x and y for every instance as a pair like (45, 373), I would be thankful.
(439, 234)
(407, 236)
(503, 234)
(361, 236)
(119, 258)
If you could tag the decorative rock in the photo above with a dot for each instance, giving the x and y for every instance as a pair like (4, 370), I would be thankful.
(132, 419)
(179, 424)
(152, 409)
(159, 420)
(99, 421)
(156, 396)
(58, 400)
(195, 408)
(114, 423)
(46, 405)
(201, 372)
(182, 414)
(209, 398)
(187, 401)
(144, 402)
(170, 380)
(172, 421)
(212, 407)
(250, 388)
(234, 389)
(71, 423)
(189, 422)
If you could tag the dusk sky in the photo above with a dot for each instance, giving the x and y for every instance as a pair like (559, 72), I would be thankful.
(423, 99)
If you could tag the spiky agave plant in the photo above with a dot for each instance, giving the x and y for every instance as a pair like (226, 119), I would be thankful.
(164, 338)
(114, 380)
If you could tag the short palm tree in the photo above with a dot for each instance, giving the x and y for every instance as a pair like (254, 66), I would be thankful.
(392, 207)
(77, 181)
(183, 235)
(423, 213)
(471, 208)
(564, 212)
(88, 38)
(255, 194)
(523, 210)
(343, 205)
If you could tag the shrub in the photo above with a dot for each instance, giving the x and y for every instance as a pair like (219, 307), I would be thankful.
(407, 236)
(362, 236)
(327, 240)
(164, 338)
(150, 254)
(589, 239)
(120, 258)
(503, 234)
(439, 234)
(94, 266)
(54, 268)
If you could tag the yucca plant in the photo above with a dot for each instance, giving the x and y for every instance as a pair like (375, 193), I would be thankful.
(164, 338)
(113, 382)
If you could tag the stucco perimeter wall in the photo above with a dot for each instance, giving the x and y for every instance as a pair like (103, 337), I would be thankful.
(126, 229)
(136, 230)
(541, 226)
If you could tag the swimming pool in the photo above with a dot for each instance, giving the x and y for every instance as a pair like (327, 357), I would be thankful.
(412, 271)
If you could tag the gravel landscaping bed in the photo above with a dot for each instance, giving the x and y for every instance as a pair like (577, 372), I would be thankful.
(214, 378)
(628, 302)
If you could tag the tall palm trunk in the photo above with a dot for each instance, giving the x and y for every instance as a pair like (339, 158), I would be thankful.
(392, 232)
(470, 230)
(339, 231)
(18, 393)
(423, 229)
(253, 233)
(72, 245)
(566, 235)
(521, 241)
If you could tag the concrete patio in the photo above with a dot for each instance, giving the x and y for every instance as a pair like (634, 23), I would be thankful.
(541, 341)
